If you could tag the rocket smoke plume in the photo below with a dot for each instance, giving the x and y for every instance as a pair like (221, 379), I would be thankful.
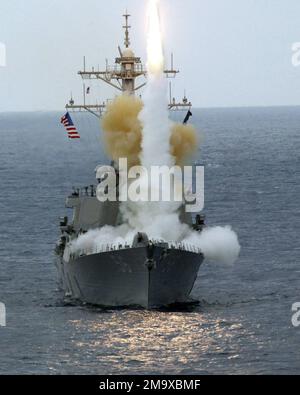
(143, 133)
(154, 116)
(155, 143)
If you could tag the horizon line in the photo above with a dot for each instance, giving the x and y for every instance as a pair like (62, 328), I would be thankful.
(193, 107)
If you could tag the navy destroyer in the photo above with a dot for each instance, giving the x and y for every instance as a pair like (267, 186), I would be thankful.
(147, 273)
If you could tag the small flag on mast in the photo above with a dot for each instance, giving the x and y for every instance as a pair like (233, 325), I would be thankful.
(188, 115)
(66, 120)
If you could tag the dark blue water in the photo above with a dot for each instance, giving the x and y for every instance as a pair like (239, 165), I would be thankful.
(243, 322)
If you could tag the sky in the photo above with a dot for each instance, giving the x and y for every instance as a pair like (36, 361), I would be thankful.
(231, 53)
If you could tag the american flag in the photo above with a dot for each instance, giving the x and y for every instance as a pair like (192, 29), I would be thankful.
(66, 120)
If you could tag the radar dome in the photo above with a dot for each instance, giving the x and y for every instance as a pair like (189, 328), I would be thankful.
(128, 53)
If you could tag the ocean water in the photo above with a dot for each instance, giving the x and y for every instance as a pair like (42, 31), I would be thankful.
(242, 324)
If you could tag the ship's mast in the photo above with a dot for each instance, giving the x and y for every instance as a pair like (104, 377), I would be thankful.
(131, 67)
(126, 27)
(122, 76)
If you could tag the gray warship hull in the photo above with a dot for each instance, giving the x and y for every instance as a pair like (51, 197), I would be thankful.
(127, 277)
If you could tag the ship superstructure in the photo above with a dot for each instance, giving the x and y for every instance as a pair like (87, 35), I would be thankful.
(127, 75)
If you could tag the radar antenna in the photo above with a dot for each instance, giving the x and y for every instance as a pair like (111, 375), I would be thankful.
(126, 27)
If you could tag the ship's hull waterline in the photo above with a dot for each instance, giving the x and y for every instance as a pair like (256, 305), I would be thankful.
(124, 278)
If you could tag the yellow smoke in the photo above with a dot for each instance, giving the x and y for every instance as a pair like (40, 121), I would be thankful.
(184, 142)
(122, 129)
(123, 133)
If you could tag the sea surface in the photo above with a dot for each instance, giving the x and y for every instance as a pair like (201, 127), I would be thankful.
(242, 324)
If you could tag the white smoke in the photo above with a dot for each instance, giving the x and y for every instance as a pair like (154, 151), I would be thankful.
(218, 244)
(157, 219)
(156, 132)
(94, 239)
